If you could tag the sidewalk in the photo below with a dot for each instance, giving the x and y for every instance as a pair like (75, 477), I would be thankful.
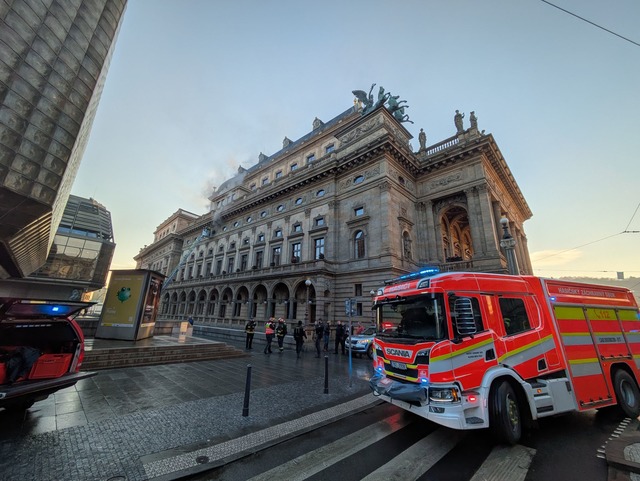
(164, 422)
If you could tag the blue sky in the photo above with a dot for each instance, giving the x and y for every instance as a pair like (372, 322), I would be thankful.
(197, 88)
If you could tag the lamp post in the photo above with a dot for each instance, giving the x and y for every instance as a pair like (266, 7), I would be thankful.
(372, 293)
(306, 306)
(508, 243)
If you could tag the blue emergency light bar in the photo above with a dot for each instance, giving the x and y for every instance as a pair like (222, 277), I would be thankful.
(426, 272)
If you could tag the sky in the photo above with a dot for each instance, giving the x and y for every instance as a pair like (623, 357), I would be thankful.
(197, 88)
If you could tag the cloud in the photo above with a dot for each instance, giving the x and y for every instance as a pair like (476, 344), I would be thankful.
(554, 257)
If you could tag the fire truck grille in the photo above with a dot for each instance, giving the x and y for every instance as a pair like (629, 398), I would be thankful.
(396, 369)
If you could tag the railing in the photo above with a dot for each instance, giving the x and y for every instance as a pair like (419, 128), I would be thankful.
(456, 266)
(440, 146)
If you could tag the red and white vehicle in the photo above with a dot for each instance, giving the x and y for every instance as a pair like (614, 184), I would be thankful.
(470, 350)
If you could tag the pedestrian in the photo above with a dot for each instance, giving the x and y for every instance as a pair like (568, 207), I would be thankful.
(249, 329)
(318, 333)
(340, 335)
(299, 336)
(281, 331)
(326, 335)
(269, 331)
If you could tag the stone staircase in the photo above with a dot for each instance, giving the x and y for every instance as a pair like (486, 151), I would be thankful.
(114, 356)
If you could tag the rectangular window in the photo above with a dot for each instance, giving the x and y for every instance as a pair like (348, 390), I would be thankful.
(311, 158)
(260, 237)
(319, 221)
(190, 272)
(296, 251)
(318, 245)
(275, 256)
(294, 167)
(243, 262)
(218, 267)
(358, 290)
(278, 233)
(358, 211)
(259, 259)
(329, 148)
(359, 309)
(230, 264)
(208, 269)
(265, 181)
(514, 315)
(278, 174)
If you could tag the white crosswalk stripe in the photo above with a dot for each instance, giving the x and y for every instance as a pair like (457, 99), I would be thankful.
(504, 462)
(315, 461)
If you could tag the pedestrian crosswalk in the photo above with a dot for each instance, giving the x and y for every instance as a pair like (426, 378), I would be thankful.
(413, 461)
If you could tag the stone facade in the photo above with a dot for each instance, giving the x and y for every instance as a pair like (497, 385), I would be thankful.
(346, 207)
(53, 61)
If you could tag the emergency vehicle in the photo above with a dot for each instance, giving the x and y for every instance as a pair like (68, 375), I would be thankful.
(471, 350)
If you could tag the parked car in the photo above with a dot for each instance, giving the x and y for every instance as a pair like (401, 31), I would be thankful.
(362, 343)
(41, 349)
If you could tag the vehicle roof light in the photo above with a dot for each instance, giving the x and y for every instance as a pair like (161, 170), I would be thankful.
(427, 271)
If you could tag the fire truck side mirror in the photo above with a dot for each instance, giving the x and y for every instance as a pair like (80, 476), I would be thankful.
(464, 316)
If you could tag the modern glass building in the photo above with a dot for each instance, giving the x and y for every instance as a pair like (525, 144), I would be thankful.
(82, 248)
(54, 57)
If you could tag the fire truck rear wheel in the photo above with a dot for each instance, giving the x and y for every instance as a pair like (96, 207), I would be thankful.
(627, 393)
(504, 414)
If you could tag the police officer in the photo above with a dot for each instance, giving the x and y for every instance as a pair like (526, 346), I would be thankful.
(299, 335)
(317, 336)
(340, 335)
(281, 331)
(249, 329)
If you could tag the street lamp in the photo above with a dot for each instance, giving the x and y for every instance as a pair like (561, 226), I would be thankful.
(306, 306)
(508, 243)
(372, 293)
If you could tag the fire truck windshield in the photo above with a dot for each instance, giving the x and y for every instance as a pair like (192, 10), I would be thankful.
(419, 318)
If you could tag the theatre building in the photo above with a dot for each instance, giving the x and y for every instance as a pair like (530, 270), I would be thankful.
(334, 214)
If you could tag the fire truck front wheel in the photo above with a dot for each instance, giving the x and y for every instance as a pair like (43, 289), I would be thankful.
(627, 393)
(504, 414)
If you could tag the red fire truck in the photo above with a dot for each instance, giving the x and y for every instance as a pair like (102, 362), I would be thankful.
(470, 350)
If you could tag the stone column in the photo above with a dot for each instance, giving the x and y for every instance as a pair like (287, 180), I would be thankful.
(432, 232)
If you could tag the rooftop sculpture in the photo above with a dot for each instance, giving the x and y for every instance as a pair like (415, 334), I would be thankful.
(367, 103)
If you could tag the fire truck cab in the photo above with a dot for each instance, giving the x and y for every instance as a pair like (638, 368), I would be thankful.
(471, 350)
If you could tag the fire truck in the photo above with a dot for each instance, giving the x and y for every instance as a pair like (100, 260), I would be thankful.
(472, 350)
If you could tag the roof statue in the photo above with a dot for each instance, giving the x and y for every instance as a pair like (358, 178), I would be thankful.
(366, 103)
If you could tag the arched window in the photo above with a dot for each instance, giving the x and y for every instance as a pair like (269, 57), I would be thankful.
(359, 250)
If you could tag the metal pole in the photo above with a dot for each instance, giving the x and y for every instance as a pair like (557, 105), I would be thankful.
(326, 374)
(350, 342)
(247, 390)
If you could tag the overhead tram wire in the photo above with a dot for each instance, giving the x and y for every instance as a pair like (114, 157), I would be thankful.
(592, 23)
(625, 231)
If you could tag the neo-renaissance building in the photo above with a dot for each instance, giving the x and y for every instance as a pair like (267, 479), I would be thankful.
(54, 57)
(333, 215)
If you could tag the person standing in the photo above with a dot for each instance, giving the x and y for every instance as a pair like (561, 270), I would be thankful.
(281, 331)
(326, 335)
(340, 335)
(249, 329)
(299, 336)
(269, 331)
(317, 336)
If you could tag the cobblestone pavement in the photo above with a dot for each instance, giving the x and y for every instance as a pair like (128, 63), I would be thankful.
(135, 423)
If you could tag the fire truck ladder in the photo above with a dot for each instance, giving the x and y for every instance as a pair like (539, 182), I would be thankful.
(204, 235)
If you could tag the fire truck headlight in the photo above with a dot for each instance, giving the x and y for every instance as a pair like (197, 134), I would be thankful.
(444, 394)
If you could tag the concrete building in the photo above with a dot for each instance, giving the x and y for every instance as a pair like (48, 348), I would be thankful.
(337, 212)
(54, 57)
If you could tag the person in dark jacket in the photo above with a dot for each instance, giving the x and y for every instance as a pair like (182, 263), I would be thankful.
(299, 336)
(318, 333)
(249, 329)
(281, 331)
(340, 335)
(326, 336)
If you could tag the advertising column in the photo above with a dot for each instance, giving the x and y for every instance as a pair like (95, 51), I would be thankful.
(131, 305)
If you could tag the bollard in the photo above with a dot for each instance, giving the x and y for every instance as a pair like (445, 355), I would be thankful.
(247, 390)
(326, 374)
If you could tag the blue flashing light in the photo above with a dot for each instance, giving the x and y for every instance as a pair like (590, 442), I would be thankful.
(428, 271)
(55, 308)
(424, 381)
(379, 369)
(552, 298)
